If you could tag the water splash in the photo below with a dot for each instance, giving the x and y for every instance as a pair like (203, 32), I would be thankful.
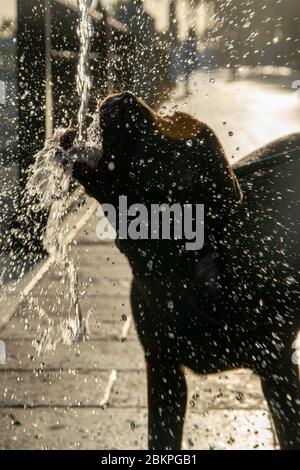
(49, 183)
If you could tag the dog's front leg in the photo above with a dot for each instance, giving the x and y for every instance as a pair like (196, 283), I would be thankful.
(166, 405)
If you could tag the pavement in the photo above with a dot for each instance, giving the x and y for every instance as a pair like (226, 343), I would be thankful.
(55, 394)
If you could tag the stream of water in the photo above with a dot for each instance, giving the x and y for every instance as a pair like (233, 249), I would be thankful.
(83, 80)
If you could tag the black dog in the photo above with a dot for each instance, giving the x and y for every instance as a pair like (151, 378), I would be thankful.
(233, 303)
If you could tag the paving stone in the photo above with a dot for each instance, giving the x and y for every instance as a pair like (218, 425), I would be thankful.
(60, 389)
(111, 329)
(68, 428)
(86, 355)
(106, 320)
(229, 430)
(112, 428)
(230, 390)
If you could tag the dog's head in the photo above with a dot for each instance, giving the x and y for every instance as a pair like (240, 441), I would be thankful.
(124, 120)
(133, 132)
(144, 152)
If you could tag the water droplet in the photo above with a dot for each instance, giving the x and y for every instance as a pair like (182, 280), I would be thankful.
(150, 265)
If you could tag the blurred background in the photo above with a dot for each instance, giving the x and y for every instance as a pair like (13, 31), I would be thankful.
(234, 64)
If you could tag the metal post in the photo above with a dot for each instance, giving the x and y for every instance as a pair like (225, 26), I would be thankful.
(31, 40)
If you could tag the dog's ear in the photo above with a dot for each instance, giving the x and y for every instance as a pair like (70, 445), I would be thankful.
(179, 126)
(182, 126)
(218, 165)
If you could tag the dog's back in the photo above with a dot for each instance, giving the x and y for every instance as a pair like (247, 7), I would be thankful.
(270, 179)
